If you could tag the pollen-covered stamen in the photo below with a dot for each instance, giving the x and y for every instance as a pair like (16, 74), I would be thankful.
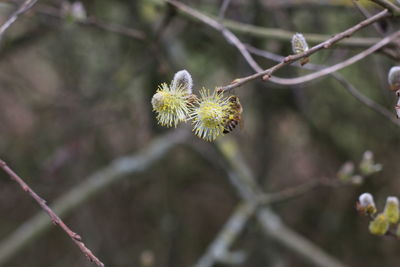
(209, 116)
(171, 105)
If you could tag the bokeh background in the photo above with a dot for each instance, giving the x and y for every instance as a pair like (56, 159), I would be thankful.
(74, 97)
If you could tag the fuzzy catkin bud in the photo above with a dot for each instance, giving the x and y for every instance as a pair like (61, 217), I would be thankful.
(391, 210)
(299, 45)
(367, 164)
(346, 171)
(366, 204)
(182, 79)
(394, 78)
(380, 225)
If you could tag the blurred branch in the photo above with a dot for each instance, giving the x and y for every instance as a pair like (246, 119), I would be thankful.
(219, 248)
(54, 218)
(346, 84)
(222, 10)
(338, 66)
(271, 223)
(266, 74)
(366, 14)
(395, 10)
(278, 34)
(94, 184)
(14, 16)
(283, 35)
(299, 190)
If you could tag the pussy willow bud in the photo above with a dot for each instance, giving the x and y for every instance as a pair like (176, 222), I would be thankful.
(74, 12)
(366, 204)
(299, 45)
(391, 210)
(367, 164)
(346, 171)
(182, 79)
(379, 225)
(394, 78)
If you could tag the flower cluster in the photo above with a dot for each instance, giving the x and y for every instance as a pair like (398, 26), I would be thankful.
(384, 223)
(211, 113)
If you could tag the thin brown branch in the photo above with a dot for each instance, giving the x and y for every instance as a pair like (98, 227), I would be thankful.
(296, 191)
(242, 177)
(14, 16)
(346, 84)
(338, 66)
(54, 217)
(286, 36)
(124, 167)
(266, 74)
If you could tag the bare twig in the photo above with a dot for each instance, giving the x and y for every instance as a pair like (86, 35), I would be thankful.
(270, 222)
(93, 185)
(21, 9)
(266, 74)
(299, 190)
(346, 84)
(338, 66)
(54, 217)
(283, 35)
(222, 10)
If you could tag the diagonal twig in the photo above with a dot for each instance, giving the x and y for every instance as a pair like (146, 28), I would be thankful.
(54, 217)
(338, 66)
(266, 74)
(22, 9)
(337, 76)
(242, 177)
(93, 185)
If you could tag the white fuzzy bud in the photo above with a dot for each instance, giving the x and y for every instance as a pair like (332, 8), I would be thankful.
(366, 200)
(394, 78)
(182, 79)
(299, 43)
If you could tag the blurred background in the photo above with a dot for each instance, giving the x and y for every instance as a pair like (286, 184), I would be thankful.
(75, 95)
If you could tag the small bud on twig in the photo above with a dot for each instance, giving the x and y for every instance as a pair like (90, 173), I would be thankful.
(394, 78)
(367, 164)
(346, 171)
(299, 45)
(182, 79)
